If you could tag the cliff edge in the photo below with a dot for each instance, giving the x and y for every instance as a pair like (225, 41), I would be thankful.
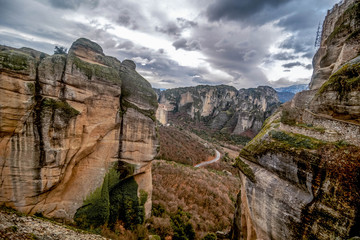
(77, 131)
(300, 174)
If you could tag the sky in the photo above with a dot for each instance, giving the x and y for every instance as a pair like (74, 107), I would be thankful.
(179, 43)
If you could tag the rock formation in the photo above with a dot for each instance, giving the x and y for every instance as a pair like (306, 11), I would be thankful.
(66, 121)
(221, 108)
(300, 174)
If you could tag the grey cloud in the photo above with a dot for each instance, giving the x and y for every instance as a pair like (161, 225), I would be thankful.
(309, 66)
(301, 19)
(125, 19)
(285, 82)
(308, 55)
(292, 43)
(186, 45)
(201, 80)
(173, 28)
(236, 51)
(125, 45)
(184, 23)
(292, 64)
(283, 56)
(297, 64)
(73, 4)
(239, 10)
(167, 81)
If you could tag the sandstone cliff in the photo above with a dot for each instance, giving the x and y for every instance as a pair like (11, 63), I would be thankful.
(300, 174)
(218, 108)
(71, 126)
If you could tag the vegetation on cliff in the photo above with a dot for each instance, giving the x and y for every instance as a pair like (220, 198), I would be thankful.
(116, 200)
(14, 60)
(344, 81)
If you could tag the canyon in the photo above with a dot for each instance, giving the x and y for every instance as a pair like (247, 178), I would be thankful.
(218, 108)
(79, 132)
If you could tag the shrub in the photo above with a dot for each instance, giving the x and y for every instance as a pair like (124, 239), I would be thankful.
(210, 236)
(180, 222)
(296, 140)
(244, 168)
(158, 210)
(114, 201)
(60, 50)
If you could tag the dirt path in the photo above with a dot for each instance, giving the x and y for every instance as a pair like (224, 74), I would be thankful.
(216, 158)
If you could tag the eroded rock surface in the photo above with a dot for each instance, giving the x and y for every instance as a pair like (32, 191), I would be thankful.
(65, 120)
(300, 174)
(220, 108)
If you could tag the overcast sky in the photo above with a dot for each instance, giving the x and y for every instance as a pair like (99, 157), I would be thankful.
(243, 43)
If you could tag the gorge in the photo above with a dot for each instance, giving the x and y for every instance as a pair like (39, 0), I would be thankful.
(85, 140)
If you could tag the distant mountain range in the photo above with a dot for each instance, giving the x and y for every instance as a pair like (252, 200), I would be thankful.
(287, 93)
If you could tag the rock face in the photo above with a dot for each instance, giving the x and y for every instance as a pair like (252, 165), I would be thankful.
(221, 108)
(339, 42)
(66, 120)
(300, 174)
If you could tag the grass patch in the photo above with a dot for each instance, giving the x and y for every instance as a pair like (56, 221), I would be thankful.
(296, 140)
(245, 169)
(67, 111)
(14, 60)
(345, 80)
(97, 71)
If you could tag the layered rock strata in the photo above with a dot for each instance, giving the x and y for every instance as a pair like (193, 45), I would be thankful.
(65, 121)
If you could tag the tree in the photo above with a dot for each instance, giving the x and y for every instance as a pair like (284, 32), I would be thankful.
(60, 50)
(180, 221)
(210, 236)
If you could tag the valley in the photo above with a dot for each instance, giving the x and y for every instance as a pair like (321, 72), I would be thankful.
(89, 149)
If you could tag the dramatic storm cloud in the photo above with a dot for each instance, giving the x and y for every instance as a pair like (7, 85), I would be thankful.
(181, 42)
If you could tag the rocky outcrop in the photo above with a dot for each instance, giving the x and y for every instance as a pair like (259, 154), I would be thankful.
(66, 120)
(220, 108)
(300, 174)
(339, 41)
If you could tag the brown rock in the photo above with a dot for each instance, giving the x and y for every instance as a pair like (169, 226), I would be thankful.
(64, 123)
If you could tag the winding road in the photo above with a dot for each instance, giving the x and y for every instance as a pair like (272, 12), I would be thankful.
(217, 157)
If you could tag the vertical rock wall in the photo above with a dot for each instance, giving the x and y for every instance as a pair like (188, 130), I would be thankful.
(65, 120)
(300, 174)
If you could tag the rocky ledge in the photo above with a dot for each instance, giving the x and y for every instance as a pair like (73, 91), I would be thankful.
(16, 227)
